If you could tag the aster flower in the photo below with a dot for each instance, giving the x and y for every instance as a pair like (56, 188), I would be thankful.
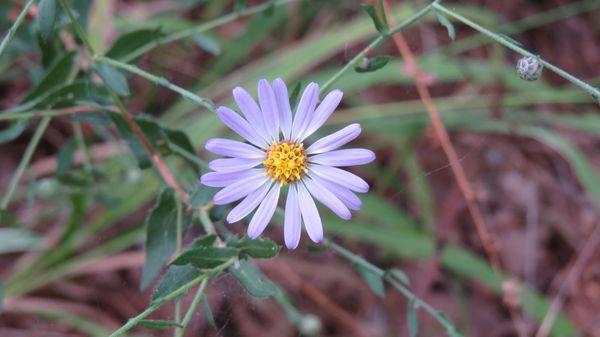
(276, 157)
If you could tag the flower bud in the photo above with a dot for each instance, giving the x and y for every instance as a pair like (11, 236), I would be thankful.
(529, 68)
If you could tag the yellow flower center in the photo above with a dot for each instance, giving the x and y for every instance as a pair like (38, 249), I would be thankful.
(285, 161)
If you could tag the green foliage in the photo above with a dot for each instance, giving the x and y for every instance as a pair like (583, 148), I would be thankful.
(130, 42)
(446, 23)
(158, 324)
(372, 279)
(210, 319)
(257, 248)
(160, 236)
(380, 24)
(201, 195)
(175, 278)
(208, 43)
(203, 257)
(372, 63)
(1, 296)
(250, 279)
(113, 78)
(56, 76)
(46, 16)
(205, 241)
(398, 275)
(14, 240)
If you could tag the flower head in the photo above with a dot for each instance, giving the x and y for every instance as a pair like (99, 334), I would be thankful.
(276, 157)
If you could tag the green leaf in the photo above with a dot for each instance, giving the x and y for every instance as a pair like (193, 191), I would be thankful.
(65, 158)
(240, 5)
(201, 195)
(411, 319)
(161, 235)
(210, 319)
(373, 63)
(132, 41)
(158, 324)
(1, 296)
(373, 280)
(113, 78)
(294, 95)
(205, 241)
(446, 23)
(175, 278)
(399, 275)
(258, 248)
(205, 257)
(57, 75)
(510, 39)
(13, 240)
(381, 26)
(14, 130)
(135, 145)
(208, 43)
(250, 279)
(46, 17)
(180, 144)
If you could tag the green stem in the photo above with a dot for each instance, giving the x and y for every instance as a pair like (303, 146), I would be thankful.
(13, 29)
(355, 259)
(158, 80)
(24, 161)
(77, 26)
(203, 27)
(179, 244)
(510, 45)
(380, 38)
(192, 309)
(180, 291)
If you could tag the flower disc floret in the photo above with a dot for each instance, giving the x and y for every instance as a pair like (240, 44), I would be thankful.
(286, 161)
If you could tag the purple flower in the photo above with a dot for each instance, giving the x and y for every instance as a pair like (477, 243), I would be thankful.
(276, 156)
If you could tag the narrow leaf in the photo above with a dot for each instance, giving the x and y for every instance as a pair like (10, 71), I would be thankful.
(46, 17)
(135, 145)
(57, 75)
(201, 195)
(399, 275)
(411, 318)
(208, 43)
(259, 248)
(175, 278)
(1, 296)
(13, 240)
(205, 241)
(208, 312)
(250, 279)
(158, 324)
(12, 131)
(373, 280)
(379, 25)
(294, 95)
(205, 257)
(113, 78)
(373, 63)
(160, 236)
(446, 23)
(65, 158)
(131, 41)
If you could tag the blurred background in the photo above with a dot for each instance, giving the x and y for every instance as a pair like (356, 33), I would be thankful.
(72, 236)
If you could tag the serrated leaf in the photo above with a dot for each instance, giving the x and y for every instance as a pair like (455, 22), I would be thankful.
(65, 158)
(251, 280)
(258, 248)
(373, 280)
(161, 236)
(201, 195)
(205, 241)
(205, 257)
(131, 41)
(158, 324)
(208, 43)
(381, 26)
(411, 319)
(46, 17)
(373, 63)
(399, 275)
(175, 278)
(113, 78)
(57, 75)
(446, 23)
(210, 319)
(12, 131)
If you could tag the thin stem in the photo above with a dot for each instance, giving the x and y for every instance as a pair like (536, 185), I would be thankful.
(180, 291)
(24, 161)
(179, 244)
(13, 29)
(203, 27)
(374, 44)
(50, 112)
(510, 45)
(77, 26)
(355, 259)
(158, 80)
(192, 309)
